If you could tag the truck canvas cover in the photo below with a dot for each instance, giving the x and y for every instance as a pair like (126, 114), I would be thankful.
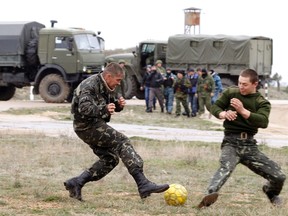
(15, 35)
(210, 49)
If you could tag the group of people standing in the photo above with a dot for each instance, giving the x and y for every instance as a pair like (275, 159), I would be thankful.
(194, 90)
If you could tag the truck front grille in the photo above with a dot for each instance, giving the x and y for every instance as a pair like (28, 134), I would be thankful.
(93, 69)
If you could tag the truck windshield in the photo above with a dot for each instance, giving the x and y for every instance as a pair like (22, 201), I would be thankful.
(148, 48)
(87, 42)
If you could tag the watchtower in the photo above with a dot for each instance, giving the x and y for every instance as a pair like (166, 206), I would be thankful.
(192, 18)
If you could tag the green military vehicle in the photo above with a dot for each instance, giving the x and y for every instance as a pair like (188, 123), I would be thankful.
(226, 54)
(136, 62)
(52, 60)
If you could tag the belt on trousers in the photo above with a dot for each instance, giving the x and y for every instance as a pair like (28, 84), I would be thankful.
(241, 135)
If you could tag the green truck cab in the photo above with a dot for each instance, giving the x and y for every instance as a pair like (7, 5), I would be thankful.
(226, 54)
(52, 60)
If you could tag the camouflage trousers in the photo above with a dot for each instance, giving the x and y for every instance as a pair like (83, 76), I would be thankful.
(246, 152)
(109, 145)
(182, 100)
(204, 101)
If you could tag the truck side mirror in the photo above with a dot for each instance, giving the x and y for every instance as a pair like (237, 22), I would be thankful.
(70, 44)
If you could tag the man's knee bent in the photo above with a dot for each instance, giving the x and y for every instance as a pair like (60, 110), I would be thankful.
(280, 179)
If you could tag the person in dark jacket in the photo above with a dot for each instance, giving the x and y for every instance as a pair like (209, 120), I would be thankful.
(94, 102)
(156, 80)
(244, 110)
(192, 91)
(145, 85)
(168, 84)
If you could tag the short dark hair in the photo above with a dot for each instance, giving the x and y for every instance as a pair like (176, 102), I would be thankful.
(252, 74)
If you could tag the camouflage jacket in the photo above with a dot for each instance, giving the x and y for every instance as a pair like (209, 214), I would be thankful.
(181, 87)
(89, 103)
(205, 85)
(161, 70)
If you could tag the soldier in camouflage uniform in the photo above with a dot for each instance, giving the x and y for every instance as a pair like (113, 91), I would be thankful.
(94, 101)
(160, 68)
(244, 110)
(205, 90)
(181, 86)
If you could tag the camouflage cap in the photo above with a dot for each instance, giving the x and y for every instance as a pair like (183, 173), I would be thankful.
(109, 60)
(158, 62)
(121, 61)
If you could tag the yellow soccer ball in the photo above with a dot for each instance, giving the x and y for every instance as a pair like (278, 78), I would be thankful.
(176, 195)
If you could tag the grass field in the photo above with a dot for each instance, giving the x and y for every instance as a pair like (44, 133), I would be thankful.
(34, 167)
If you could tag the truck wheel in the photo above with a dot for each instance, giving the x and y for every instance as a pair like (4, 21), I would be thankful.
(130, 87)
(53, 89)
(32, 58)
(226, 82)
(140, 94)
(7, 92)
(70, 96)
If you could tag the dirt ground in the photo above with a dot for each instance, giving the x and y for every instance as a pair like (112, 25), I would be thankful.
(277, 127)
(278, 119)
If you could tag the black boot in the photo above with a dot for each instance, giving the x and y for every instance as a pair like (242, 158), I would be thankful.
(208, 200)
(149, 110)
(146, 187)
(74, 185)
(274, 199)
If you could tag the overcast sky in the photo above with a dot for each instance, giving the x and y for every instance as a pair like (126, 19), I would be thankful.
(124, 23)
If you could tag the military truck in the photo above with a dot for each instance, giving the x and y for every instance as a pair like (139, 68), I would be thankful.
(226, 54)
(52, 60)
